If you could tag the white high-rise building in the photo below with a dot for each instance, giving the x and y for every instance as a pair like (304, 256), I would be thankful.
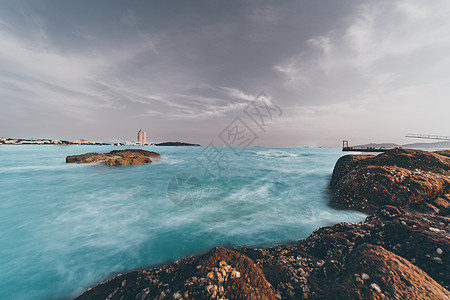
(141, 137)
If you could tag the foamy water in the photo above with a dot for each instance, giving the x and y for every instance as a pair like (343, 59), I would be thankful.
(64, 227)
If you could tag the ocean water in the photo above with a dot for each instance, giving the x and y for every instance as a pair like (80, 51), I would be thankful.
(66, 227)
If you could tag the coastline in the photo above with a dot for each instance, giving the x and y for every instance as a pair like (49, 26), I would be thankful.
(361, 256)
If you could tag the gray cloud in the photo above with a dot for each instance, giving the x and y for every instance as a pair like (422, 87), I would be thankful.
(102, 70)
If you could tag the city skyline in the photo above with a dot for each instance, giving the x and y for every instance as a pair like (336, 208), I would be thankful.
(370, 72)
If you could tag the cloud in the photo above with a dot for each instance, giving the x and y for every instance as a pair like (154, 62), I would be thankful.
(373, 33)
(145, 63)
(238, 94)
(389, 61)
(134, 76)
(37, 72)
(264, 16)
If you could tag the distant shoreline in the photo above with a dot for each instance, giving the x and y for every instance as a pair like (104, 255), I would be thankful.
(81, 142)
(178, 144)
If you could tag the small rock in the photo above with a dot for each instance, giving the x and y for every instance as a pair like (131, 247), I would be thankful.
(438, 259)
(434, 229)
(210, 275)
(235, 274)
(439, 251)
(365, 276)
(375, 287)
(177, 296)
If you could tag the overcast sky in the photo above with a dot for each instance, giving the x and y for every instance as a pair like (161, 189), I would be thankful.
(366, 71)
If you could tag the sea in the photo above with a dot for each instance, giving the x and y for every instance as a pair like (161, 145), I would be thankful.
(67, 227)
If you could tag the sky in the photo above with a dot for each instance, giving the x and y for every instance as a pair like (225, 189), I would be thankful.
(363, 71)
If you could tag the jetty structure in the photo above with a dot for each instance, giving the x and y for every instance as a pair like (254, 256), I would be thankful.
(346, 147)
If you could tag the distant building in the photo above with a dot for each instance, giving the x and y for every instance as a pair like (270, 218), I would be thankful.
(141, 137)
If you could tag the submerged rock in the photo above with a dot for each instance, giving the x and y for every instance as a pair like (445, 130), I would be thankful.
(115, 157)
(414, 179)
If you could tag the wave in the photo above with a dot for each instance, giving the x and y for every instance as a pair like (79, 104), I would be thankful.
(169, 160)
(38, 168)
(276, 153)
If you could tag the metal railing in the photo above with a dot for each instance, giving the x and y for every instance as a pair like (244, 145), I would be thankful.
(429, 136)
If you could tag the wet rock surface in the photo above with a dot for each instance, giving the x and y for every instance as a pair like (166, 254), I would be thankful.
(392, 254)
(115, 157)
(218, 274)
(413, 179)
(372, 272)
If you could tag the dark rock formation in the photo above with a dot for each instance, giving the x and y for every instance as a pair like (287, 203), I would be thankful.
(391, 277)
(220, 273)
(115, 157)
(414, 179)
(391, 255)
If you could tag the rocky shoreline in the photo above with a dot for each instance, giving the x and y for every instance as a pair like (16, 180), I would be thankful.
(115, 157)
(412, 179)
(396, 252)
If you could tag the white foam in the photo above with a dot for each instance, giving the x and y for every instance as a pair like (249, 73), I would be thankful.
(276, 153)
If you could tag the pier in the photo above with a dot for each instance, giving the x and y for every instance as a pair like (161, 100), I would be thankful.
(346, 147)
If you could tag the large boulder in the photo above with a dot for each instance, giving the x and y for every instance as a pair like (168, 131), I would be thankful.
(115, 157)
(372, 272)
(400, 177)
(218, 274)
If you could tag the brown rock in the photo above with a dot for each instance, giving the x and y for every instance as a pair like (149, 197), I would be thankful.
(400, 177)
(115, 157)
(186, 278)
(387, 276)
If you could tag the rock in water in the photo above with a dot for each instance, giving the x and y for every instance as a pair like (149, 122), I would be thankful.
(391, 255)
(399, 177)
(393, 277)
(208, 276)
(115, 157)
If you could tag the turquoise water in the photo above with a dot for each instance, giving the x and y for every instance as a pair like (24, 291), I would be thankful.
(66, 227)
